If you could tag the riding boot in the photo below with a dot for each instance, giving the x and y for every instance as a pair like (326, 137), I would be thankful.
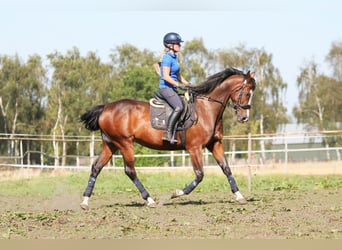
(171, 125)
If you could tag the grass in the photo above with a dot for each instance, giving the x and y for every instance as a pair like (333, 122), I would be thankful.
(46, 206)
(110, 182)
(296, 182)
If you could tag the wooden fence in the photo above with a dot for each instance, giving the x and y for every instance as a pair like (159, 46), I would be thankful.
(46, 151)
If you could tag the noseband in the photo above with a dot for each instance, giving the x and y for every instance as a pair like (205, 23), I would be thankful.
(238, 103)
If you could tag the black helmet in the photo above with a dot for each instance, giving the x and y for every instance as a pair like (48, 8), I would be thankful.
(172, 38)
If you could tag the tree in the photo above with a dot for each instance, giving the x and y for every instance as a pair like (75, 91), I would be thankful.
(238, 57)
(319, 99)
(195, 61)
(135, 76)
(77, 84)
(138, 83)
(127, 56)
(22, 89)
(335, 59)
(334, 85)
(268, 100)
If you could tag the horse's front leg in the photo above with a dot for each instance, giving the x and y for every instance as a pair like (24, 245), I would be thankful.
(218, 152)
(128, 155)
(197, 164)
(96, 168)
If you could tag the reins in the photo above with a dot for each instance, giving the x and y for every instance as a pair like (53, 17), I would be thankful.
(208, 98)
(235, 106)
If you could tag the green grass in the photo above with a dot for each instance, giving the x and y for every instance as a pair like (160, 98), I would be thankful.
(296, 182)
(110, 182)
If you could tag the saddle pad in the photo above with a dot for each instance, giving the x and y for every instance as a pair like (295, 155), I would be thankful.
(158, 117)
(160, 113)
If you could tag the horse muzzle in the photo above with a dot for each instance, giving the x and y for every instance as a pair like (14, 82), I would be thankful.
(244, 119)
(242, 113)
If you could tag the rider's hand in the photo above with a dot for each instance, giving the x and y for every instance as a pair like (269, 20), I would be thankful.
(182, 86)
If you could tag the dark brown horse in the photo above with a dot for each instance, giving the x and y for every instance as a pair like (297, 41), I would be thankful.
(127, 121)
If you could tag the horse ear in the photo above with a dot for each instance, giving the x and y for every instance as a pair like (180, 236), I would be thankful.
(250, 75)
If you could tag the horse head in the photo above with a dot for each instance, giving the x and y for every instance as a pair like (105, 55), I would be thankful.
(228, 84)
(242, 97)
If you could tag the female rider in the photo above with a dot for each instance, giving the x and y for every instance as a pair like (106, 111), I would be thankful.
(170, 80)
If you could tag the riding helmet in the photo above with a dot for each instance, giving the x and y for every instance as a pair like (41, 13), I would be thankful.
(172, 38)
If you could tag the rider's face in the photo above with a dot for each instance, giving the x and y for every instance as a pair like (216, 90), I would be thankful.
(176, 47)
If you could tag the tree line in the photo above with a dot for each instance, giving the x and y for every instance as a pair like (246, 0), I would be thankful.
(45, 96)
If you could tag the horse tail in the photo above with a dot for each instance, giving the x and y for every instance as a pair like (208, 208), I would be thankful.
(90, 119)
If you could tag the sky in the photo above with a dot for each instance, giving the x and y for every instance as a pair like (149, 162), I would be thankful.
(293, 31)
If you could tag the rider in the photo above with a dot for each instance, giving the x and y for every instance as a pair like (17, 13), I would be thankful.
(170, 80)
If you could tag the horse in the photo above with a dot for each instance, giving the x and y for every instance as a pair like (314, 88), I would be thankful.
(126, 121)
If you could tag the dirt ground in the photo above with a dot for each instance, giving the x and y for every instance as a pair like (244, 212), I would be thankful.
(268, 215)
(279, 214)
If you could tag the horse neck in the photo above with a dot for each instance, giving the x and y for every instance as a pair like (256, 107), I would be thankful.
(218, 99)
(226, 89)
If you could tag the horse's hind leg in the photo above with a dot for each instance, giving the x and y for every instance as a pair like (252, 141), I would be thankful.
(107, 151)
(218, 152)
(197, 164)
(128, 155)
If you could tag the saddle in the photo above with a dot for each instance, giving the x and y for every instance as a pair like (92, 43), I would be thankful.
(160, 111)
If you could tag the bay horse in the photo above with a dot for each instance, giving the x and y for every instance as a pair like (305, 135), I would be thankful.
(127, 121)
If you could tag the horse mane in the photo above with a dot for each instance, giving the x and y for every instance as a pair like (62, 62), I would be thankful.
(209, 84)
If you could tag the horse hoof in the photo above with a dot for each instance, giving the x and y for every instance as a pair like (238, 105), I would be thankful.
(151, 203)
(84, 206)
(239, 198)
(242, 201)
(177, 193)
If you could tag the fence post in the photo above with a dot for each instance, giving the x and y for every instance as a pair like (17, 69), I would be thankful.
(183, 158)
(113, 161)
(77, 150)
(249, 162)
(41, 154)
(328, 152)
(172, 159)
(28, 153)
(206, 157)
(91, 148)
(286, 154)
(21, 153)
(233, 151)
(338, 154)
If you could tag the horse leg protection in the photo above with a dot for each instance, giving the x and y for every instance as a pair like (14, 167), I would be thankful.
(232, 183)
(194, 184)
(141, 188)
(190, 187)
(90, 187)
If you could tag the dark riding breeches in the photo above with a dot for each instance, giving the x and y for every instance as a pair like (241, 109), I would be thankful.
(172, 98)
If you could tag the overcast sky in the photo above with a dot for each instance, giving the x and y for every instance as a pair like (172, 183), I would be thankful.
(293, 31)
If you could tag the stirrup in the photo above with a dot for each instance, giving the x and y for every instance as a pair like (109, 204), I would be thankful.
(166, 137)
(173, 138)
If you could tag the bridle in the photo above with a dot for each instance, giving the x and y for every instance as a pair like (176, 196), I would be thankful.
(237, 104)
